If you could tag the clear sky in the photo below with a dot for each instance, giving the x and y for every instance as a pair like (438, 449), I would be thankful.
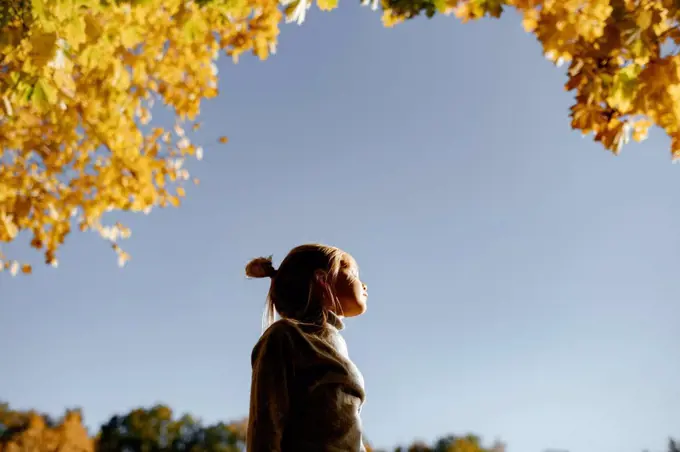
(523, 282)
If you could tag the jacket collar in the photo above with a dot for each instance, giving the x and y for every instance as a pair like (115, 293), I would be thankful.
(335, 321)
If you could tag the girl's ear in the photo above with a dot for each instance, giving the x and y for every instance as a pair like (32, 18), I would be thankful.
(321, 277)
(325, 290)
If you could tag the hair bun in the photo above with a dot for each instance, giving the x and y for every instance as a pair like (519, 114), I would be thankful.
(261, 267)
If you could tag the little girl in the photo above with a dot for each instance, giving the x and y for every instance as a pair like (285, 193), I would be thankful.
(306, 394)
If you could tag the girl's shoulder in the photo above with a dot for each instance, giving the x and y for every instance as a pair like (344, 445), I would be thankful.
(280, 337)
(281, 329)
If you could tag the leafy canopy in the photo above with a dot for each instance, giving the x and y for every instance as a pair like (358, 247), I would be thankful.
(622, 55)
(79, 79)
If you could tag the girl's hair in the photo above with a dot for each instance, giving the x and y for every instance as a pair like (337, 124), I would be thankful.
(294, 292)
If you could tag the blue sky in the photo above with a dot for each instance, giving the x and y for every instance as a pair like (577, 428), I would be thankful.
(523, 282)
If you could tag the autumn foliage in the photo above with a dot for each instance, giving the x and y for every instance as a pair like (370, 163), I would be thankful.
(622, 56)
(141, 430)
(156, 429)
(29, 431)
(79, 80)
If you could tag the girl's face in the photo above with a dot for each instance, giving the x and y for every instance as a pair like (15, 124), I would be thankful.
(351, 292)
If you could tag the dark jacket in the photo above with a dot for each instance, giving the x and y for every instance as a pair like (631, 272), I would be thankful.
(306, 394)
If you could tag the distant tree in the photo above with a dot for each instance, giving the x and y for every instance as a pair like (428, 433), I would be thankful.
(444, 443)
(498, 446)
(673, 446)
(468, 443)
(140, 430)
(11, 421)
(29, 431)
(450, 443)
(157, 430)
(419, 446)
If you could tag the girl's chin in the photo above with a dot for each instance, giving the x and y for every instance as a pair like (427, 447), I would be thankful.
(356, 310)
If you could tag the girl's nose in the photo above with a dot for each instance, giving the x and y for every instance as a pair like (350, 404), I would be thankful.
(364, 286)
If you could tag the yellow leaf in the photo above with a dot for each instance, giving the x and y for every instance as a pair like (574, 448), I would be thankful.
(75, 33)
(130, 37)
(641, 129)
(644, 19)
(43, 48)
(530, 20)
(327, 5)
(38, 9)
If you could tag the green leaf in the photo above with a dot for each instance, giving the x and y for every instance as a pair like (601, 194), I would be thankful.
(14, 78)
(25, 91)
(194, 28)
(440, 6)
(43, 95)
(327, 5)
(624, 89)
